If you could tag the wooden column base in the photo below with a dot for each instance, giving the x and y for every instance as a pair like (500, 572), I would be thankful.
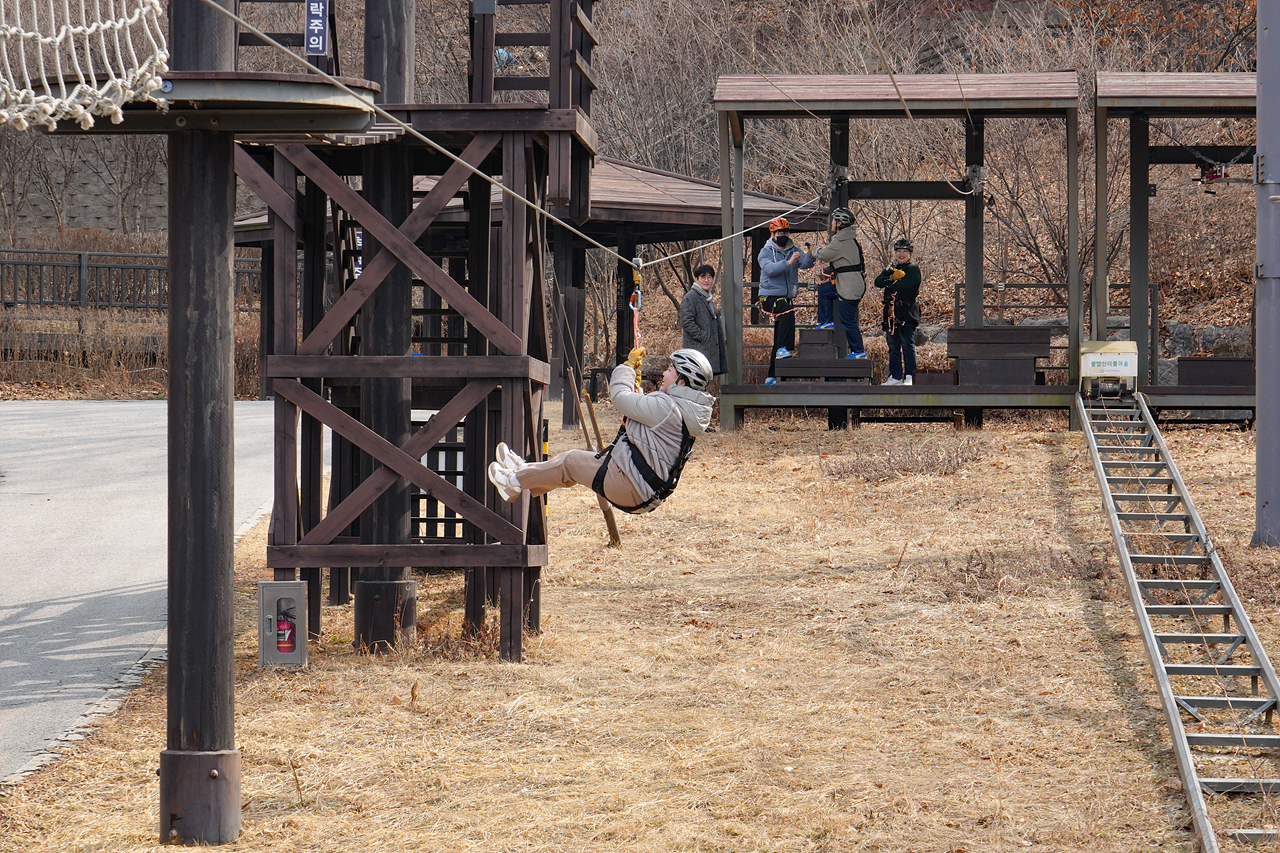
(386, 613)
(199, 796)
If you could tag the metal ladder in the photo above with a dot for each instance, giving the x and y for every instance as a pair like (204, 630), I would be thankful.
(1217, 679)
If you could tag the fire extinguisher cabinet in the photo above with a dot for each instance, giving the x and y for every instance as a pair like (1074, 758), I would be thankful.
(282, 623)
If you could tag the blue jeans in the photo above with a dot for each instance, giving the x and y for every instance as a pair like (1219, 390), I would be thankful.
(852, 331)
(902, 351)
(826, 303)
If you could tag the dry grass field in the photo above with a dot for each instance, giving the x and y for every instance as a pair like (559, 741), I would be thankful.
(893, 638)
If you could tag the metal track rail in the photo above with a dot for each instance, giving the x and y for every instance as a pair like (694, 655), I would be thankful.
(1209, 667)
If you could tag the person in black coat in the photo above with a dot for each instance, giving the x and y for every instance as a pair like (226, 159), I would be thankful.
(700, 320)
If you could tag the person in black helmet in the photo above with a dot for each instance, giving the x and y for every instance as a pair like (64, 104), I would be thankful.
(639, 470)
(900, 282)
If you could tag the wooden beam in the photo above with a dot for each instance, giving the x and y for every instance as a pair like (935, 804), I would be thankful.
(520, 84)
(376, 271)
(418, 555)
(414, 367)
(402, 463)
(522, 39)
(919, 190)
(264, 187)
(588, 28)
(350, 507)
(402, 246)
(584, 68)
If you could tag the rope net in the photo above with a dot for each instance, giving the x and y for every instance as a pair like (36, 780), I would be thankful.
(76, 59)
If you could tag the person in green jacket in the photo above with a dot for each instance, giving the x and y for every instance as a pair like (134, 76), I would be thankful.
(900, 283)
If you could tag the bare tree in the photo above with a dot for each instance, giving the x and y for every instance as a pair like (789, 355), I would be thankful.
(16, 180)
(130, 168)
(56, 166)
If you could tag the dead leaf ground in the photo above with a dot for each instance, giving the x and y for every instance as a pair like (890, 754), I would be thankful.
(784, 657)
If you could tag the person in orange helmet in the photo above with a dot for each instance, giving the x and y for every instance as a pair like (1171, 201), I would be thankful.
(780, 263)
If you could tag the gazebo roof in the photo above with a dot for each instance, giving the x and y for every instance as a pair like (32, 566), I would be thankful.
(1160, 93)
(882, 96)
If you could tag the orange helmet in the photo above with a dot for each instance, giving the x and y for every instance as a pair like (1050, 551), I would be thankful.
(779, 224)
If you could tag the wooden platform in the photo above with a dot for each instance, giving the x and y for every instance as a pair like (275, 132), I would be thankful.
(821, 395)
(928, 95)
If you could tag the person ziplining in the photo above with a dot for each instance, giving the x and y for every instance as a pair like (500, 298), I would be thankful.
(641, 467)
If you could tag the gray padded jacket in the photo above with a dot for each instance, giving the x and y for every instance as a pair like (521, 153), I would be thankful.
(841, 252)
(653, 425)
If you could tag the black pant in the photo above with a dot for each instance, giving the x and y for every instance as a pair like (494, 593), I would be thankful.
(783, 312)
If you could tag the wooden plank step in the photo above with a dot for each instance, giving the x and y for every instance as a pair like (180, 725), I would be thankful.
(1252, 836)
(1169, 537)
(1201, 639)
(1163, 583)
(1141, 496)
(1240, 786)
(1244, 740)
(1153, 516)
(1145, 466)
(1189, 609)
(1235, 703)
(1212, 669)
(1169, 559)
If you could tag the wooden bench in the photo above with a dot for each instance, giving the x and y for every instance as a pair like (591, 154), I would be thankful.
(898, 402)
(1210, 390)
(998, 355)
(1212, 370)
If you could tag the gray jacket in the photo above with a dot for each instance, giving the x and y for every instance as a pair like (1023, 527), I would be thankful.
(779, 277)
(702, 330)
(843, 250)
(653, 425)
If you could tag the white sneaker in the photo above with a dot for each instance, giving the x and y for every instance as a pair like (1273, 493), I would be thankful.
(892, 381)
(502, 481)
(906, 381)
(507, 459)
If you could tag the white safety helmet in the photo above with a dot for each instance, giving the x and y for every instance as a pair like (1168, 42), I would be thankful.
(694, 367)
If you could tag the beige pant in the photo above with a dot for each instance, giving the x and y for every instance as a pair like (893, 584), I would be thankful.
(577, 467)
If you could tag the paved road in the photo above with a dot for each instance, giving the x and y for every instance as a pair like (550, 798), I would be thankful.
(83, 509)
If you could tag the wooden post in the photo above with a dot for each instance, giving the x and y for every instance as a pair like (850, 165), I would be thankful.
(385, 326)
(974, 147)
(200, 767)
(476, 434)
(312, 479)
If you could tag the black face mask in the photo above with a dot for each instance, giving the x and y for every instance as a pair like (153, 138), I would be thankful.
(782, 240)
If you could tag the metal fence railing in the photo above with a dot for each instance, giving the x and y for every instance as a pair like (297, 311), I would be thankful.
(42, 278)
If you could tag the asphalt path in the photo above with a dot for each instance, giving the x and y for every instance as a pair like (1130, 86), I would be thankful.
(83, 535)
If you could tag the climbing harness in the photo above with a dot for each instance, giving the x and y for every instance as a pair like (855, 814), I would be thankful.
(785, 303)
(662, 489)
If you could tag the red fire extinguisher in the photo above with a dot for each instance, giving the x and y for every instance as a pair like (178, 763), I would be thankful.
(286, 628)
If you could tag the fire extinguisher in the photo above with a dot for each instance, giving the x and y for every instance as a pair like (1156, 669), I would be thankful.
(286, 628)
